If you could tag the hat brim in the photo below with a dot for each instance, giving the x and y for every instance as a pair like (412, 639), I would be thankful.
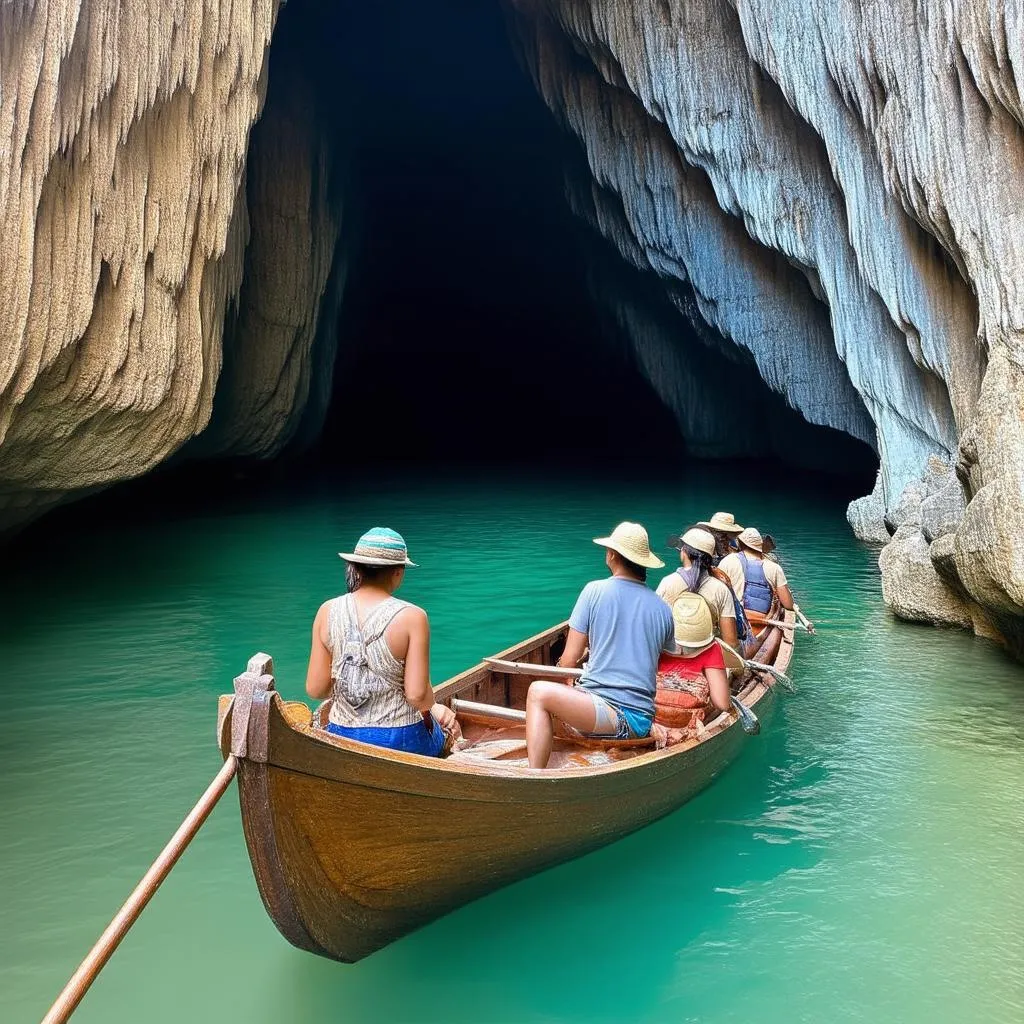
(365, 560)
(651, 562)
(696, 647)
(751, 547)
(721, 529)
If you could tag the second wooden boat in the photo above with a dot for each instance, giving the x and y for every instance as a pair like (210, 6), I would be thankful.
(353, 846)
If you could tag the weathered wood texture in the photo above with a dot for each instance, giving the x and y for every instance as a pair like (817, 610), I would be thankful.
(353, 846)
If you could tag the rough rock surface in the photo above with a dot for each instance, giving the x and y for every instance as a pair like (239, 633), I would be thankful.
(125, 131)
(912, 587)
(839, 187)
(151, 238)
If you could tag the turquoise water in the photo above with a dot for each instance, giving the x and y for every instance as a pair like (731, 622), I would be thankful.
(861, 862)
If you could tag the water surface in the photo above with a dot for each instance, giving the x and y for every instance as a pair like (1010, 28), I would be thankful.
(861, 862)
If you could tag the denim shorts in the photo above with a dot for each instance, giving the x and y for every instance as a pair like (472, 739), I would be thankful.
(618, 723)
(413, 739)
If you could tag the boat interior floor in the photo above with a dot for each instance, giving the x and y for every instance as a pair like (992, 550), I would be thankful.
(507, 745)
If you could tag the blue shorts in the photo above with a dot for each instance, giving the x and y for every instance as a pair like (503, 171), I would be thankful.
(412, 739)
(618, 723)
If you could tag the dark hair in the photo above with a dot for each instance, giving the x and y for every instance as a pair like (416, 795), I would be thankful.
(631, 567)
(357, 574)
(701, 559)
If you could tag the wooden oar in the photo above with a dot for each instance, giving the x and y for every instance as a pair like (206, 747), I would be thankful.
(785, 625)
(749, 722)
(804, 620)
(129, 913)
(761, 666)
(523, 668)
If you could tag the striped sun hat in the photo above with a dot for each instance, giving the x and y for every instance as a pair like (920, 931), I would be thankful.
(379, 546)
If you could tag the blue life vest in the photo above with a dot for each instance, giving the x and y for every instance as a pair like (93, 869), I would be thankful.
(757, 594)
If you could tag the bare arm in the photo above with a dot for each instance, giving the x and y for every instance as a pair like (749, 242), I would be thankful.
(575, 648)
(727, 627)
(785, 596)
(718, 683)
(418, 691)
(318, 675)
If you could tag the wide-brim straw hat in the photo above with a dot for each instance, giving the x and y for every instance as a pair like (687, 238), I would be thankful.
(699, 540)
(751, 538)
(723, 522)
(630, 541)
(694, 628)
(379, 546)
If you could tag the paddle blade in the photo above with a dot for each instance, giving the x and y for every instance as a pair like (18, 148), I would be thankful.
(749, 722)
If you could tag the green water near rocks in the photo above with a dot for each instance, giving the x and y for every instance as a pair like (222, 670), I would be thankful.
(861, 862)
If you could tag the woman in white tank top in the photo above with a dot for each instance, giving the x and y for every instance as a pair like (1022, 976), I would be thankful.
(371, 654)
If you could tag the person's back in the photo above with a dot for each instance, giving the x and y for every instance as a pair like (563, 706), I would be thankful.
(371, 654)
(715, 592)
(369, 680)
(627, 625)
(756, 580)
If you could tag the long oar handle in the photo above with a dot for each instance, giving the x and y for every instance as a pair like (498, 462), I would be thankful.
(104, 948)
(523, 668)
(785, 625)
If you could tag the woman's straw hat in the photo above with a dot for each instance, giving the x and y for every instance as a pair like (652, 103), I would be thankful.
(723, 522)
(700, 540)
(751, 538)
(692, 616)
(379, 546)
(630, 541)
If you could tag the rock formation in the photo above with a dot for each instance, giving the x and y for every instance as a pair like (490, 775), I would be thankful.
(147, 245)
(826, 196)
(838, 191)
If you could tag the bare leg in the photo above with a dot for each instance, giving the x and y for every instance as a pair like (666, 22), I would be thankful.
(546, 699)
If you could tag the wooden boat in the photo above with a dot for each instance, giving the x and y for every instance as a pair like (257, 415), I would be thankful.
(354, 846)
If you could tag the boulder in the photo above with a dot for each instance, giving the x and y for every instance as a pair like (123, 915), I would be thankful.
(912, 587)
(866, 516)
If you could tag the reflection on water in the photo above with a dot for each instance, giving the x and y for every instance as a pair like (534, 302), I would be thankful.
(860, 862)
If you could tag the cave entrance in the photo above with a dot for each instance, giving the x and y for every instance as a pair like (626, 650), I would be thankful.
(466, 326)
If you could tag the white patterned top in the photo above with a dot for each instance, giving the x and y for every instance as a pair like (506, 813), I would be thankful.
(368, 680)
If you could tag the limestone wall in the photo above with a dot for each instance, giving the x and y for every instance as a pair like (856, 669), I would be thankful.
(840, 185)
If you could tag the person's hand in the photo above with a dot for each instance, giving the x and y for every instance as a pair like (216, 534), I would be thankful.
(445, 716)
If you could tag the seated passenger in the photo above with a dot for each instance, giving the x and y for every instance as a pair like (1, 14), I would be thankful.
(371, 653)
(755, 578)
(724, 528)
(697, 672)
(625, 626)
(696, 552)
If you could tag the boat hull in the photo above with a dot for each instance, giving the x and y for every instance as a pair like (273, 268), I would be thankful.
(354, 846)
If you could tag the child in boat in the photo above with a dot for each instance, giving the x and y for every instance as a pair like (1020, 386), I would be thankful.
(694, 679)
(371, 654)
(625, 625)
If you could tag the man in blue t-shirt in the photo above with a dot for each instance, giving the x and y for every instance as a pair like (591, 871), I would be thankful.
(626, 626)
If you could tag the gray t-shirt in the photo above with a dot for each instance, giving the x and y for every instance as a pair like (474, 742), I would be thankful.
(627, 626)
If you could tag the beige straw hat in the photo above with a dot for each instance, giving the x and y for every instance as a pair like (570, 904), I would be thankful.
(692, 616)
(630, 541)
(379, 546)
(724, 522)
(699, 539)
(751, 538)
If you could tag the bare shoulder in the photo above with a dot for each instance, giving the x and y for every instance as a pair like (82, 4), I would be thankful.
(412, 615)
